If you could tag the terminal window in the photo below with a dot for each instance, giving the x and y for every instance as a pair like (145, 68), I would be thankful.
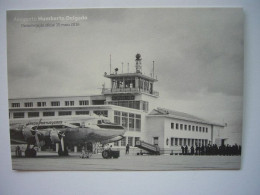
(130, 141)
(138, 123)
(177, 126)
(172, 125)
(200, 129)
(101, 112)
(41, 104)
(33, 114)
(85, 112)
(15, 105)
(156, 141)
(180, 141)
(123, 142)
(64, 113)
(181, 126)
(83, 102)
(69, 103)
(189, 127)
(192, 128)
(48, 113)
(185, 127)
(28, 104)
(131, 124)
(176, 141)
(57, 103)
(136, 139)
(172, 141)
(196, 128)
(117, 117)
(18, 115)
(125, 119)
(206, 129)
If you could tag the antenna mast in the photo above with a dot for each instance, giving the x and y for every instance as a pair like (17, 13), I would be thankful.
(110, 63)
(153, 69)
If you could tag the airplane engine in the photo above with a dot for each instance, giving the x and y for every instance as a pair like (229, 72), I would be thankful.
(117, 138)
(27, 133)
(55, 136)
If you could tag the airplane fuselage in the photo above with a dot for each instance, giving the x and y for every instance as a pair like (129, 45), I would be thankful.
(74, 130)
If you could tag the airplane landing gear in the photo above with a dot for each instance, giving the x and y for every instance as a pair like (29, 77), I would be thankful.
(63, 153)
(30, 152)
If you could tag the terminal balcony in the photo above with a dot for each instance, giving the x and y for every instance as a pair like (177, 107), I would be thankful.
(107, 91)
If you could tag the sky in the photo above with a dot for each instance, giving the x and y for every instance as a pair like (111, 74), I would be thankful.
(198, 55)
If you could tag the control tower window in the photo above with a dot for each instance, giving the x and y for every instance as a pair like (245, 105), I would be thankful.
(130, 82)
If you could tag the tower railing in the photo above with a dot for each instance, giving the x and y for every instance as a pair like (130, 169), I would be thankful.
(129, 90)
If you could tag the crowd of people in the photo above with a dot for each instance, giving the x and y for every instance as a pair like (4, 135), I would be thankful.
(225, 150)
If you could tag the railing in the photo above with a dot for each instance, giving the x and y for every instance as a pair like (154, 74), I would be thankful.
(128, 90)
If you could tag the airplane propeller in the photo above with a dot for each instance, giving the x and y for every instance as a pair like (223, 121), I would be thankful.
(57, 136)
(36, 135)
(62, 135)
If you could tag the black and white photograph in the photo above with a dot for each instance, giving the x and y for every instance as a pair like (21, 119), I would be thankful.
(125, 89)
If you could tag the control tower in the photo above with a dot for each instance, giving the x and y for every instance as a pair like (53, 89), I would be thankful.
(132, 90)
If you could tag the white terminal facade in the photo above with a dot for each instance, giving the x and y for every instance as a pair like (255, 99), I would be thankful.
(131, 102)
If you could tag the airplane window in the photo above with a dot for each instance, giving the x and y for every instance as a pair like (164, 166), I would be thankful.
(76, 124)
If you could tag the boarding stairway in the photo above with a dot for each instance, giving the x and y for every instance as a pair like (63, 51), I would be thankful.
(150, 148)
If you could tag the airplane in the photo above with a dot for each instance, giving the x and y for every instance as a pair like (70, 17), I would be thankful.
(65, 130)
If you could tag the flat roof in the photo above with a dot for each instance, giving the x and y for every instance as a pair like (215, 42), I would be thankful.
(163, 112)
(106, 106)
(130, 75)
(49, 97)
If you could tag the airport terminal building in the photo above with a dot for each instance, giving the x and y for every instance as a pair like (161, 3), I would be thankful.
(132, 102)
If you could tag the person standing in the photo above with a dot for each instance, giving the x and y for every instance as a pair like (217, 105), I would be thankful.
(182, 150)
(192, 150)
(186, 150)
(127, 149)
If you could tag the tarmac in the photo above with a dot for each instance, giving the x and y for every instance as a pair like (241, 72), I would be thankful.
(48, 161)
